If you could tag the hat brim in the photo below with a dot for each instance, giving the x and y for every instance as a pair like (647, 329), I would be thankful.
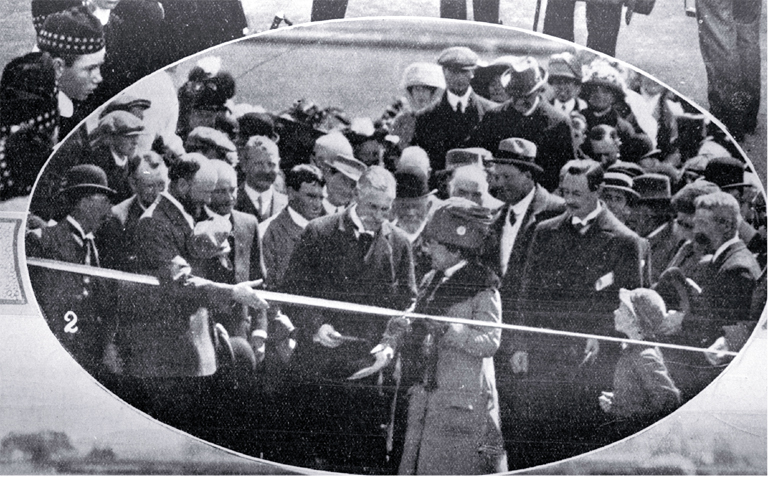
(537, 87)
(633, 194)
(516, 162)
(94, 188)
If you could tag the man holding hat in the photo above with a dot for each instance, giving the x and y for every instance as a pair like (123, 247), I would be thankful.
(76, 307)
(341, 175)
(260, 161)
(75, 40)
(114, 142)
(576, 264)
(446, 124)
(565, 80)
(527, 116)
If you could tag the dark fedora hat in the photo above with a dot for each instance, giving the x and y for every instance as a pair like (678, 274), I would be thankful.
(653, 187)
(726, 172)
(86, 179)
(518, 152)
(524, 77)
(412, 183)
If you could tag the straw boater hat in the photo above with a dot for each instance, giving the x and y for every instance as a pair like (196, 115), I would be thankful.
(349, 166)
(524, 77)
(71, 32)
(617, 179)
(518, 152)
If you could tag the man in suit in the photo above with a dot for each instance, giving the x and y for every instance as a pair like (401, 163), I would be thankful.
(76, 307)
(526, 115)
(565, 80)
(359, 257)
(446, 124)
(148, 177)
(513, 179)
(576, 264)
(281, 232)
(257, 195)
(170, 341)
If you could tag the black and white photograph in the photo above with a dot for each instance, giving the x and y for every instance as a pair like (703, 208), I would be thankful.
(416, 238)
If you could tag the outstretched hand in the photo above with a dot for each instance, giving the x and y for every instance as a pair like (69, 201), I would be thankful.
(383, 355)
(244, 294)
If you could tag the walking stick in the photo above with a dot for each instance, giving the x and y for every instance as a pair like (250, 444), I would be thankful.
(536, 15)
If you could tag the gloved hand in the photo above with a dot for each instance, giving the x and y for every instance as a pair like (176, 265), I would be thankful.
(327, 336)
(383, 354)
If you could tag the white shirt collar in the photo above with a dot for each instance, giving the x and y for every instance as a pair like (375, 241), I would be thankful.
(533, 108)
(567, 106)
(266, 196)
(522, 205)
(79, 228)
(454, 100)
(120, 161)
(299, 219)
(359, 227)
(190, 220)
(724, 246)
(66, 107)
(588, 219)
(102, 14)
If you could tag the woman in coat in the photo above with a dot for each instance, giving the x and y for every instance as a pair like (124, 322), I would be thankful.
(453, 416)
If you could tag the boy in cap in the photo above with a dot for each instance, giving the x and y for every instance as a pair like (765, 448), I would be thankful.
(446, 124)
(114, 142)
(643, 391)
(75, 40)
(526, 115)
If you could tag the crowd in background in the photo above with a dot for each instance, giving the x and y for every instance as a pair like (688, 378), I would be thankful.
(566, 196)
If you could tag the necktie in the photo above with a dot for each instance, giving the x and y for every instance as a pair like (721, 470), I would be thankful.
(460, 107)
(260, 206)
(91, 253)
(581, 226)
(507, 241)
(366, 240)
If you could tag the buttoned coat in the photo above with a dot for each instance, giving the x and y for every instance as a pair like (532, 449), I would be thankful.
(455, 428)
(439, 128)
(546, 127)
(330, 262)
(115, 236)
(279, 240)
(171, 332)
(74, 306)
(244, 203)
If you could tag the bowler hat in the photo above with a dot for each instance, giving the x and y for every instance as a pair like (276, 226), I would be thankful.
(459, 222)
(86, 178)
(125, 102)
(348, 165)
(518, 152)
(411, 183)
(653, 187)
(71, 32)
(524, 77)
(726, 172)
(458, 57)
(565, 65)
(466, 157)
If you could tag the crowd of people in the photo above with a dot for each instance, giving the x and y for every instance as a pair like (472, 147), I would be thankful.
(568, 197)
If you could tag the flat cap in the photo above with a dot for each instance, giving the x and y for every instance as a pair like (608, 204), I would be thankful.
(458, 57)
(125, 102)
(119, 123)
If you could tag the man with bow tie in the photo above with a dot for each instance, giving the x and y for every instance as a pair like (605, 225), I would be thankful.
(576, 264)
(76, 306)
(355, 256)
